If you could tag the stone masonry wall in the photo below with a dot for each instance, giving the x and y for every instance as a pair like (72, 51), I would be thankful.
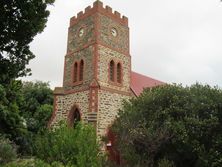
(87, 56)
(74, 41)
(108, 107)
(105, 56)
(121, 42)
(64, 104)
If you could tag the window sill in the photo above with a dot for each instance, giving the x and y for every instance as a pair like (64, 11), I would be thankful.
(76, 83)
(115, 83)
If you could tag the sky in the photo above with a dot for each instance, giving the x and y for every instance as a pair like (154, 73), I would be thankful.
(175, 41)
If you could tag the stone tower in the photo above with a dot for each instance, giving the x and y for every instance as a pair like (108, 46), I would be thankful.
(97, 69)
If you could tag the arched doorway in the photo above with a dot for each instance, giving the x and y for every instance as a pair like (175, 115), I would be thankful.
(113, 153)
(74, 116)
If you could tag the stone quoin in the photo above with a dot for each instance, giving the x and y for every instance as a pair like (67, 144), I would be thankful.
(97, 70)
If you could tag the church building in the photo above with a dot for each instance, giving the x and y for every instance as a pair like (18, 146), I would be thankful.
(97, 70)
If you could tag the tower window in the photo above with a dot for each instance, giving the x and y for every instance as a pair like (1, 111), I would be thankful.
(111, 70)
(75, 72)
(81, 68)
(119, 73)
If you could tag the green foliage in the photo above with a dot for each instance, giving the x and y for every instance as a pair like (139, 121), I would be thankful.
(36, 109)
(31, 163)
(37, 105)
(7, 150)
(20, 22)
(71, 146)
(12, 124)
(183, 125)
(165, 163)
(25, 109)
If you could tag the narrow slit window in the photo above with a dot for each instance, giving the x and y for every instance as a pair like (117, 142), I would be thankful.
(119, 73)
(111, 70)
(81, 70)
(75, 72)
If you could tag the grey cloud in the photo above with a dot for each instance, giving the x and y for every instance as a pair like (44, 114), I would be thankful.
(171, 40)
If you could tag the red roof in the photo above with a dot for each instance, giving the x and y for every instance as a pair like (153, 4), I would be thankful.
(139, 82)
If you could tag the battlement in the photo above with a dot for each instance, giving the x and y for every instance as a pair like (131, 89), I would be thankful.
(98, 7)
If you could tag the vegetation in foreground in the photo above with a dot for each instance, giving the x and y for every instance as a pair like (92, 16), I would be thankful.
(26, 141)
(180, 126)
(167, 126)
(63, 146)
(74, 147)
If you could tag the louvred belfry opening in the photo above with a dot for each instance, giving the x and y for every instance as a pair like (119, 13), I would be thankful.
(119, 73)
(81, 68)
(111, 70)
(75, 72)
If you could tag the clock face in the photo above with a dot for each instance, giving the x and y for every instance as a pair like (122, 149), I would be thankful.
(81, 32)
(114, 32)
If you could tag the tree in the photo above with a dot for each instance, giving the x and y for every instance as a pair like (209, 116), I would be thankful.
(25, 109)
(37, 104)
(20, 22)
(11, 122)
(172, 123)
(35, 109)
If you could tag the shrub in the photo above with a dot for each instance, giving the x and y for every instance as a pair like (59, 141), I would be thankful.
(165, 163)
(183, 124)
(70, 146)
(32, 163)
(7, 150)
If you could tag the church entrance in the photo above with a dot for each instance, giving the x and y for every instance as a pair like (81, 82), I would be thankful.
(74, 117)
(110, 146)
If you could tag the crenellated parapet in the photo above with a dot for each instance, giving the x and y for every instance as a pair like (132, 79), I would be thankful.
(98, 7)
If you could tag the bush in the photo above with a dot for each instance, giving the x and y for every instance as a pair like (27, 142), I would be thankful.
(32, 163)
(182, 124)
(71, 146)
(7, 150)
(165, 163)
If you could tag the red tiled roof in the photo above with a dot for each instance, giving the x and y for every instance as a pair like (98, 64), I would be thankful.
(139, 82)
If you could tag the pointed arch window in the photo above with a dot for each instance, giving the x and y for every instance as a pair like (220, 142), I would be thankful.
(81, 68)
(75, 72)
(119, 73)
(111, 70)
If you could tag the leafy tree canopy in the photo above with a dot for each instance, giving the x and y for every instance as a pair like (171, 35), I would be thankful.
(25, 109)
(12, 123)
(37, 104)
(182, 125)
(20, 21)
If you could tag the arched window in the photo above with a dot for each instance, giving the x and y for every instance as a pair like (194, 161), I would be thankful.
(119, 73)
(75, 72)
(111, 70)
(81, 68)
